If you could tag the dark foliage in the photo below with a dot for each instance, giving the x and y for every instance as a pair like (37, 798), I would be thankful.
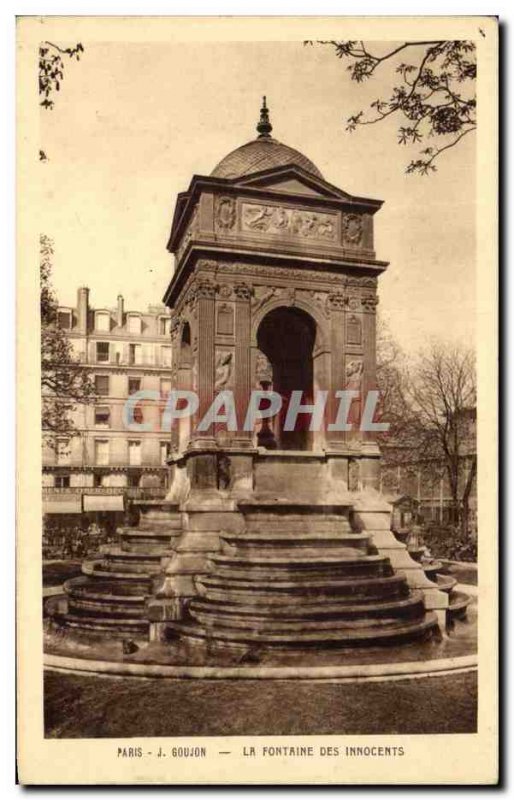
(434, 98)
(451, 542)
(51, 69)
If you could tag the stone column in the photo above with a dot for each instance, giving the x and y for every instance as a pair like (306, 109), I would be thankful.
(205, 293)
(370, 464)
(369, 335)
(336, 439)
(243, 378)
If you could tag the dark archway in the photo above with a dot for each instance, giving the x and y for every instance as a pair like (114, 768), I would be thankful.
(286, 336)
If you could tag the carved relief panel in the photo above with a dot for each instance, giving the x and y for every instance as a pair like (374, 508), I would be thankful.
(224, 214)
(352, 230)
(224, 370)
(353, 330)
(225, 319)
(280, 220)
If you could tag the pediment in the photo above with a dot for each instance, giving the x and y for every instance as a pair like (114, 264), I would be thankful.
(292, 180)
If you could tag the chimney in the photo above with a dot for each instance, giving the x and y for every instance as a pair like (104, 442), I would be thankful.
(82, 308)
(119, 314)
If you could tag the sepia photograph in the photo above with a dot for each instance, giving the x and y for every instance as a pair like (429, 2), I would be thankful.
(256, 261)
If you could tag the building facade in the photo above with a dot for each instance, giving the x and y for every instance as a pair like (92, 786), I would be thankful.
(127, 352)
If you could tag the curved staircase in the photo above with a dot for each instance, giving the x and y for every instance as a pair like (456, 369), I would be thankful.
(110, 597)
(435, 571)
(301, 579)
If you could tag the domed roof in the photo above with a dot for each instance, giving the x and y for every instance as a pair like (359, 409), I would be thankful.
(262, 153)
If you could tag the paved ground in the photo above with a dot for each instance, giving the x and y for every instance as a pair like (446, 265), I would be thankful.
(77, 706)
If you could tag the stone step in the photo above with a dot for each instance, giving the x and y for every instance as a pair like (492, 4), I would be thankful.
(458, 603)
(114, 626)
(250, 592)
(82, 607)
(272, 625)
(298, 568)
(150, 533)
(431, 568)
(392, 633)
(100, 570)
(116, 591)
(128, 556)
(315, 524)
(446, 582)
(289, 538)
(142, 549)
(156, 523)
(118, 567)
(407, 607)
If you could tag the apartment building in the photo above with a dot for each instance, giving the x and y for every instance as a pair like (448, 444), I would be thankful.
(127, 351)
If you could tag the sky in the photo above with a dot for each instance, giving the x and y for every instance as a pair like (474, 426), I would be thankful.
(133, 122)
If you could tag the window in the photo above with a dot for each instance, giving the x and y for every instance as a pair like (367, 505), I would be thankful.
(165, 452)
(165, 388)
(102, 385)
(135, 354)
(62, 481)
(138, 415)
(98, 480)
(133, 479)
(102, 452)
(102, 321)
(134, 324)
(164, 326)
(63, 452)
(64, 319)
(102, 351)
(166, 356)
(102, 416)
(134, 385)
(134, 454)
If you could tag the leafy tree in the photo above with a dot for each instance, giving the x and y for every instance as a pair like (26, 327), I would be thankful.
(434, 98)
(65, 381)
(51, 73)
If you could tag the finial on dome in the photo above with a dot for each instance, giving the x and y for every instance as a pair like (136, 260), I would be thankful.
(264, 126)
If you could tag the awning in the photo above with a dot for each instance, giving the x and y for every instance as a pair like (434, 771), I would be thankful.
(103, 502)
(62, 504)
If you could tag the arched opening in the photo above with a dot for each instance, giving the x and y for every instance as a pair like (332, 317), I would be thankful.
(286, 336)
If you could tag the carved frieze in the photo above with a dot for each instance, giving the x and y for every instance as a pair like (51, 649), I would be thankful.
(369, 302)
(204, 289)
(290, 221)
(261, 271)
(336, 301)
